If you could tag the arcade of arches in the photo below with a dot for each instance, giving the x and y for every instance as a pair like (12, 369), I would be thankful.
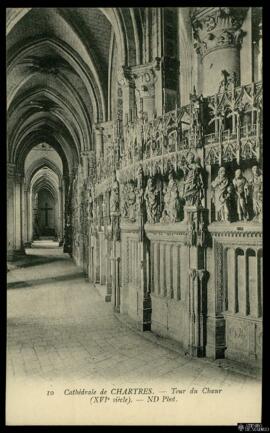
(134, 140)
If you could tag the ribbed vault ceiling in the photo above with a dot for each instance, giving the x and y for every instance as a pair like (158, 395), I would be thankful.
(58, 66)
(57, 63)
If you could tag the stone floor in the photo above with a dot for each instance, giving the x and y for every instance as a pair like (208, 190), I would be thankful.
(59, 330)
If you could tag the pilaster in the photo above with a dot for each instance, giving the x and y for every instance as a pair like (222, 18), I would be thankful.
(196, 241)
(145, 78)
(125, 80)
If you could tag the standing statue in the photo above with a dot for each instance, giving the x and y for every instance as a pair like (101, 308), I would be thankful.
(224, 81)
(131, 202)
(196, 104)
(191, 234)
(256, 184)
(124, 200)
(128, 201)
(115, 208)
(115, 196)
(172, 203)
(90, 204)
(140, 204)
(222, 195)
(193, 186)
(151, 200)
(240, 184)
(90, 208)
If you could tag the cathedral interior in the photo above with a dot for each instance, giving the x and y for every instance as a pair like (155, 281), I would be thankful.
(134, 142)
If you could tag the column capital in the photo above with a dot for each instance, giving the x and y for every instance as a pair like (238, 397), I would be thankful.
(19, 176)
(99, 129)
(124, 77)
(217, 28)
(11, 168)
(145, 77)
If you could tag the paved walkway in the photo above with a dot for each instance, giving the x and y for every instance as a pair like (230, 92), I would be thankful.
(60, 328)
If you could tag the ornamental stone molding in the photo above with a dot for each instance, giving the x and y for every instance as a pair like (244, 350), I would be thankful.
(11, 169)
(196, 232)
(217, 28)
(145, 78)
(124, 77)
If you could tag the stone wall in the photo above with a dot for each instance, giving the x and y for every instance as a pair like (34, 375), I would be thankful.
(168, 216)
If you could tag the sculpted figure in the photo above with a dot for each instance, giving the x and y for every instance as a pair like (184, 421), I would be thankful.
(128, 202)
(191, 230)
(224, 81)
(131, 202)
(201, 231)
(90, 204)
(171, 200)
(115, 208)
(115, 197)
(256, 184)
(151, 200)
(196, 116)
(140, 203)
(193, 187)
(124, 200)
(221, 195)
(240, 184)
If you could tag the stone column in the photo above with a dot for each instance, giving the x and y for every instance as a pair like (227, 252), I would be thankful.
(99, 150)
(216, 344)
(34, 212)
(125, 80)
(26, 215)
(107, 246)
(68, 182)
(91, 268)
(84, 163)
(196, 240)
(28, 200)
(10, 211)
(108, 294)
(145, 310)
(115, 269)
(19, 213)
(218, 36)
(145, 305)
(61, 219)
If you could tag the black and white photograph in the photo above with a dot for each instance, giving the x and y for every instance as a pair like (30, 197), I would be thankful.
(134, 215)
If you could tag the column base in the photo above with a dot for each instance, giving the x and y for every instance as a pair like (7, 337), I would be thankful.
(67, 249)
(144, 326)
(215, 347)
(15, 254)
(214, 352)
(197, 351)
(10, 256)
